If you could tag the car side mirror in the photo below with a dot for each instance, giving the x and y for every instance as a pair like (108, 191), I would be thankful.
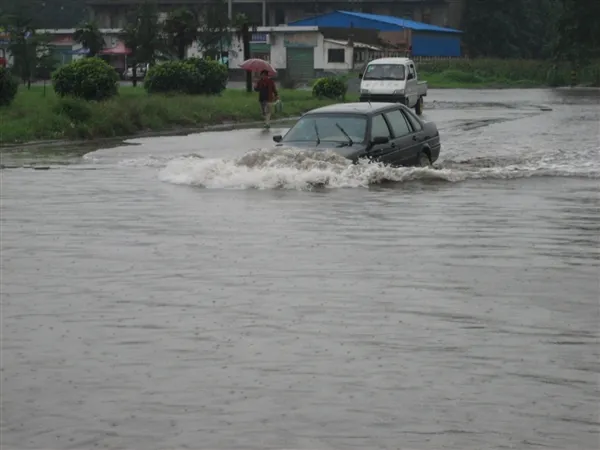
(360, 75)
(379, 140)
(410, 76)
(277, 138)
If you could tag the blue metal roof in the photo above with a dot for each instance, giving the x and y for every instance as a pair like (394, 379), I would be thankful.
(332, 19)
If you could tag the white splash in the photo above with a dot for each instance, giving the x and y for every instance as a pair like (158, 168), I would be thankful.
(302, 170)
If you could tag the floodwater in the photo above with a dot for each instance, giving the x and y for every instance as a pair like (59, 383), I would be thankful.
(188, 294)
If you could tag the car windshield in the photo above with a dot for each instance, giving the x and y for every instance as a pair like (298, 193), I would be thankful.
(328, 128)
(384, 72)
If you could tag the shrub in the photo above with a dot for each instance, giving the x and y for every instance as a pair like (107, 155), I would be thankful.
(214, 73)
(76, 109)
(193, 76)
(87, 78)
(168, 77)
(330, 87)
(8, 87)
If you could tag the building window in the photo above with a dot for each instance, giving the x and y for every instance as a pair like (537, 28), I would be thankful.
(336, 55)
(359, 56)
(279, 17)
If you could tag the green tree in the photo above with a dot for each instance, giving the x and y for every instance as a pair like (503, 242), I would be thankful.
(181, 30)
(578, 31)
(143, 36)
(214, 28)
(32, 55)
(131, 39)
(242, 28)
(46, 61)
(24, 44)
(89, 36)
(51, 14)
(515, 29)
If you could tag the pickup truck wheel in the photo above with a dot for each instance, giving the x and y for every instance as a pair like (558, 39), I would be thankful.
(424, 160)
(419, 106)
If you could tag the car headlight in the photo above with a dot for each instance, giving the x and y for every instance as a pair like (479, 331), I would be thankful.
(399, 92)
(364, 91)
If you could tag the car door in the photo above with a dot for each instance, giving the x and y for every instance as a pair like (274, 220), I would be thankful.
(422, 136)
(406, 141)
(411, 85)
(380, 128)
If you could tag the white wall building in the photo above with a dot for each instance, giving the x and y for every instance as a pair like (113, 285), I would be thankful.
(300, 52)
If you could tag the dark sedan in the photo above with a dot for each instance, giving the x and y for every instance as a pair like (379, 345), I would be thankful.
(385, 132)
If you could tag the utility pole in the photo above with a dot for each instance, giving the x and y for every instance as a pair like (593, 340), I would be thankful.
(246, 49)
(230, 10)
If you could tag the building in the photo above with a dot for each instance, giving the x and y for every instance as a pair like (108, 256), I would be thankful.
(423, 39)
(301, 53)
(445, 13)
(298, 52)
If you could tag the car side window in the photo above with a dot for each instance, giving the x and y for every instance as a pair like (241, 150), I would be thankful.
(379, 127)
(398, 122)
(413, 121)
(411, 71)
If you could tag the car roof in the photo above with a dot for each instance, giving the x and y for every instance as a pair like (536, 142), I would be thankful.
(390, 61)
(354, 108)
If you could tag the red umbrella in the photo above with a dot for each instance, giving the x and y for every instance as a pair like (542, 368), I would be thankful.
(258, 65)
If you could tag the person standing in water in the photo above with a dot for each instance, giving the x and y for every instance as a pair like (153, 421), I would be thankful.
(267, 94)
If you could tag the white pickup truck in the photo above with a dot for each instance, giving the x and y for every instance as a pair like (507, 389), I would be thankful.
(393, 80)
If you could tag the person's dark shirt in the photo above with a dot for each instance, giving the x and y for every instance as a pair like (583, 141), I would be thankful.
(266, 90)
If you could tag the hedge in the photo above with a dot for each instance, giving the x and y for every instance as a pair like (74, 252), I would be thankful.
(330, 87)
(87, 78)
(192, 76)
(8, 87)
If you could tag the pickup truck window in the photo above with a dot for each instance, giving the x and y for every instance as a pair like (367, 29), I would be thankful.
(385, 72)
(380, 127)
(411, 71)
(398, 122)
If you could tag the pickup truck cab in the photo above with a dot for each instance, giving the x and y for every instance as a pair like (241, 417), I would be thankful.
(393, 80)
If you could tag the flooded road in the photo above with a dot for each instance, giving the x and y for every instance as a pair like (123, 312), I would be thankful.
(184, 293)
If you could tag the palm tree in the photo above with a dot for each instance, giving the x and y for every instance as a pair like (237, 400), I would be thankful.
(89, 36)
(181, 29)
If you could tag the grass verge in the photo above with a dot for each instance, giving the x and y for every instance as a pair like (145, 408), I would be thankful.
(500, 74)
(41, 115)
(505, 73)
(453, 79)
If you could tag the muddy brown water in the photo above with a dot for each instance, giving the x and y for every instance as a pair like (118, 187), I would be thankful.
(199, 292)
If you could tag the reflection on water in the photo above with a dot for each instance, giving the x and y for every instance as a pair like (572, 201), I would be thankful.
(187, 291)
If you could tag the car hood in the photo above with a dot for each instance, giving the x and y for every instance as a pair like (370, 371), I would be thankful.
(349, 152)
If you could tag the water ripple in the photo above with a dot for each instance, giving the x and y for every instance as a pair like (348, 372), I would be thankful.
(453, 308)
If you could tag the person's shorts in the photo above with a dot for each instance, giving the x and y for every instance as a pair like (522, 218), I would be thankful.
(265, 107)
